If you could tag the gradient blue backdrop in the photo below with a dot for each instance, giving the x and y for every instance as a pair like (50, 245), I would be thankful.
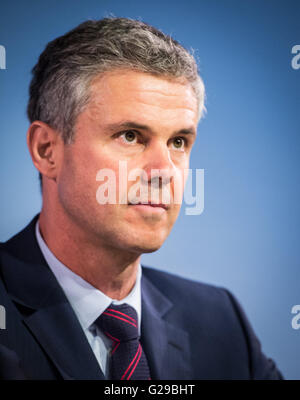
(247, 238)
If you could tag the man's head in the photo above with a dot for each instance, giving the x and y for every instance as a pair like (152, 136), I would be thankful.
(108, 91)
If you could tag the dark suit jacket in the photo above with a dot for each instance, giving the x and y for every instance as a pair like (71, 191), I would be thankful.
(190, 330)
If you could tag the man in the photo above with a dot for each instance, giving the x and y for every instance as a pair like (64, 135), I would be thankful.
(78, 303)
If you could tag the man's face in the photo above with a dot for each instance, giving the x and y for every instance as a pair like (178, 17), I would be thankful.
(149, 122)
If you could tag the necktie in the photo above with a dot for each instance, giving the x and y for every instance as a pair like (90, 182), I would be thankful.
(128, 361)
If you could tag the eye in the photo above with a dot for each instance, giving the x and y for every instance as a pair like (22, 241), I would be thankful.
(179, 143)
(129, 136)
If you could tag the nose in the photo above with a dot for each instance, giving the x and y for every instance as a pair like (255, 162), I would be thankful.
(158, 163)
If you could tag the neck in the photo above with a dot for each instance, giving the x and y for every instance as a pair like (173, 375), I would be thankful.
(111, 270)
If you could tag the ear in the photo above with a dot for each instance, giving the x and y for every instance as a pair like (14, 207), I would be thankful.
(45, 146)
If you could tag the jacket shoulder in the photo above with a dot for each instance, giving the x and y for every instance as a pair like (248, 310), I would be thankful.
(215, 309)
(176, 287)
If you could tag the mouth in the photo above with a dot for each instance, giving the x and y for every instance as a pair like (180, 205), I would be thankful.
(150, 205)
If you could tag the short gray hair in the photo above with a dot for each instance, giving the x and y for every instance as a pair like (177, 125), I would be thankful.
(59, 88)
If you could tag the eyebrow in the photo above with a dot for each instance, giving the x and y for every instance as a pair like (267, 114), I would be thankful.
(134, 125)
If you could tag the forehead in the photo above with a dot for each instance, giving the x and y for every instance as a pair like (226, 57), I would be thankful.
(132, 93)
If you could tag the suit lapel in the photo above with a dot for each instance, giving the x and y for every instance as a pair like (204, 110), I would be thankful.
(166, 345)
(45, 309)
(56, 328)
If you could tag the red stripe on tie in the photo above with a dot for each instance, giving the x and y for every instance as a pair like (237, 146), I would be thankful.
(115, 348)
(119, 312)
(117, 342)
(115, 316)
(131, 363)
(137, 361)
(113, 338)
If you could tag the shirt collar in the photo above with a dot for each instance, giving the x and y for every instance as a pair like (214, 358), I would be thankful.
(87, 302)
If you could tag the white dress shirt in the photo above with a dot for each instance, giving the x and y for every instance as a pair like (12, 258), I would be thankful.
(88, 302)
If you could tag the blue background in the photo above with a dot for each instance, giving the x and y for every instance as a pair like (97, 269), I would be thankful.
(247, 238)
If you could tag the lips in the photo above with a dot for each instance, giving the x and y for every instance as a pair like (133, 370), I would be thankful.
(161, 205)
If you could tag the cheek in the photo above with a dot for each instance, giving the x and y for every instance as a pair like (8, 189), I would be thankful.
(179, 182)
(77, 181)
(87, 161)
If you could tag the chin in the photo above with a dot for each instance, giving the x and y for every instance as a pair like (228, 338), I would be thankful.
(149, 249)
(145, 246)
(138, 239)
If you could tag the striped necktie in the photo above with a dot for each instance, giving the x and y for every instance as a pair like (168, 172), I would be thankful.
(128, 360)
